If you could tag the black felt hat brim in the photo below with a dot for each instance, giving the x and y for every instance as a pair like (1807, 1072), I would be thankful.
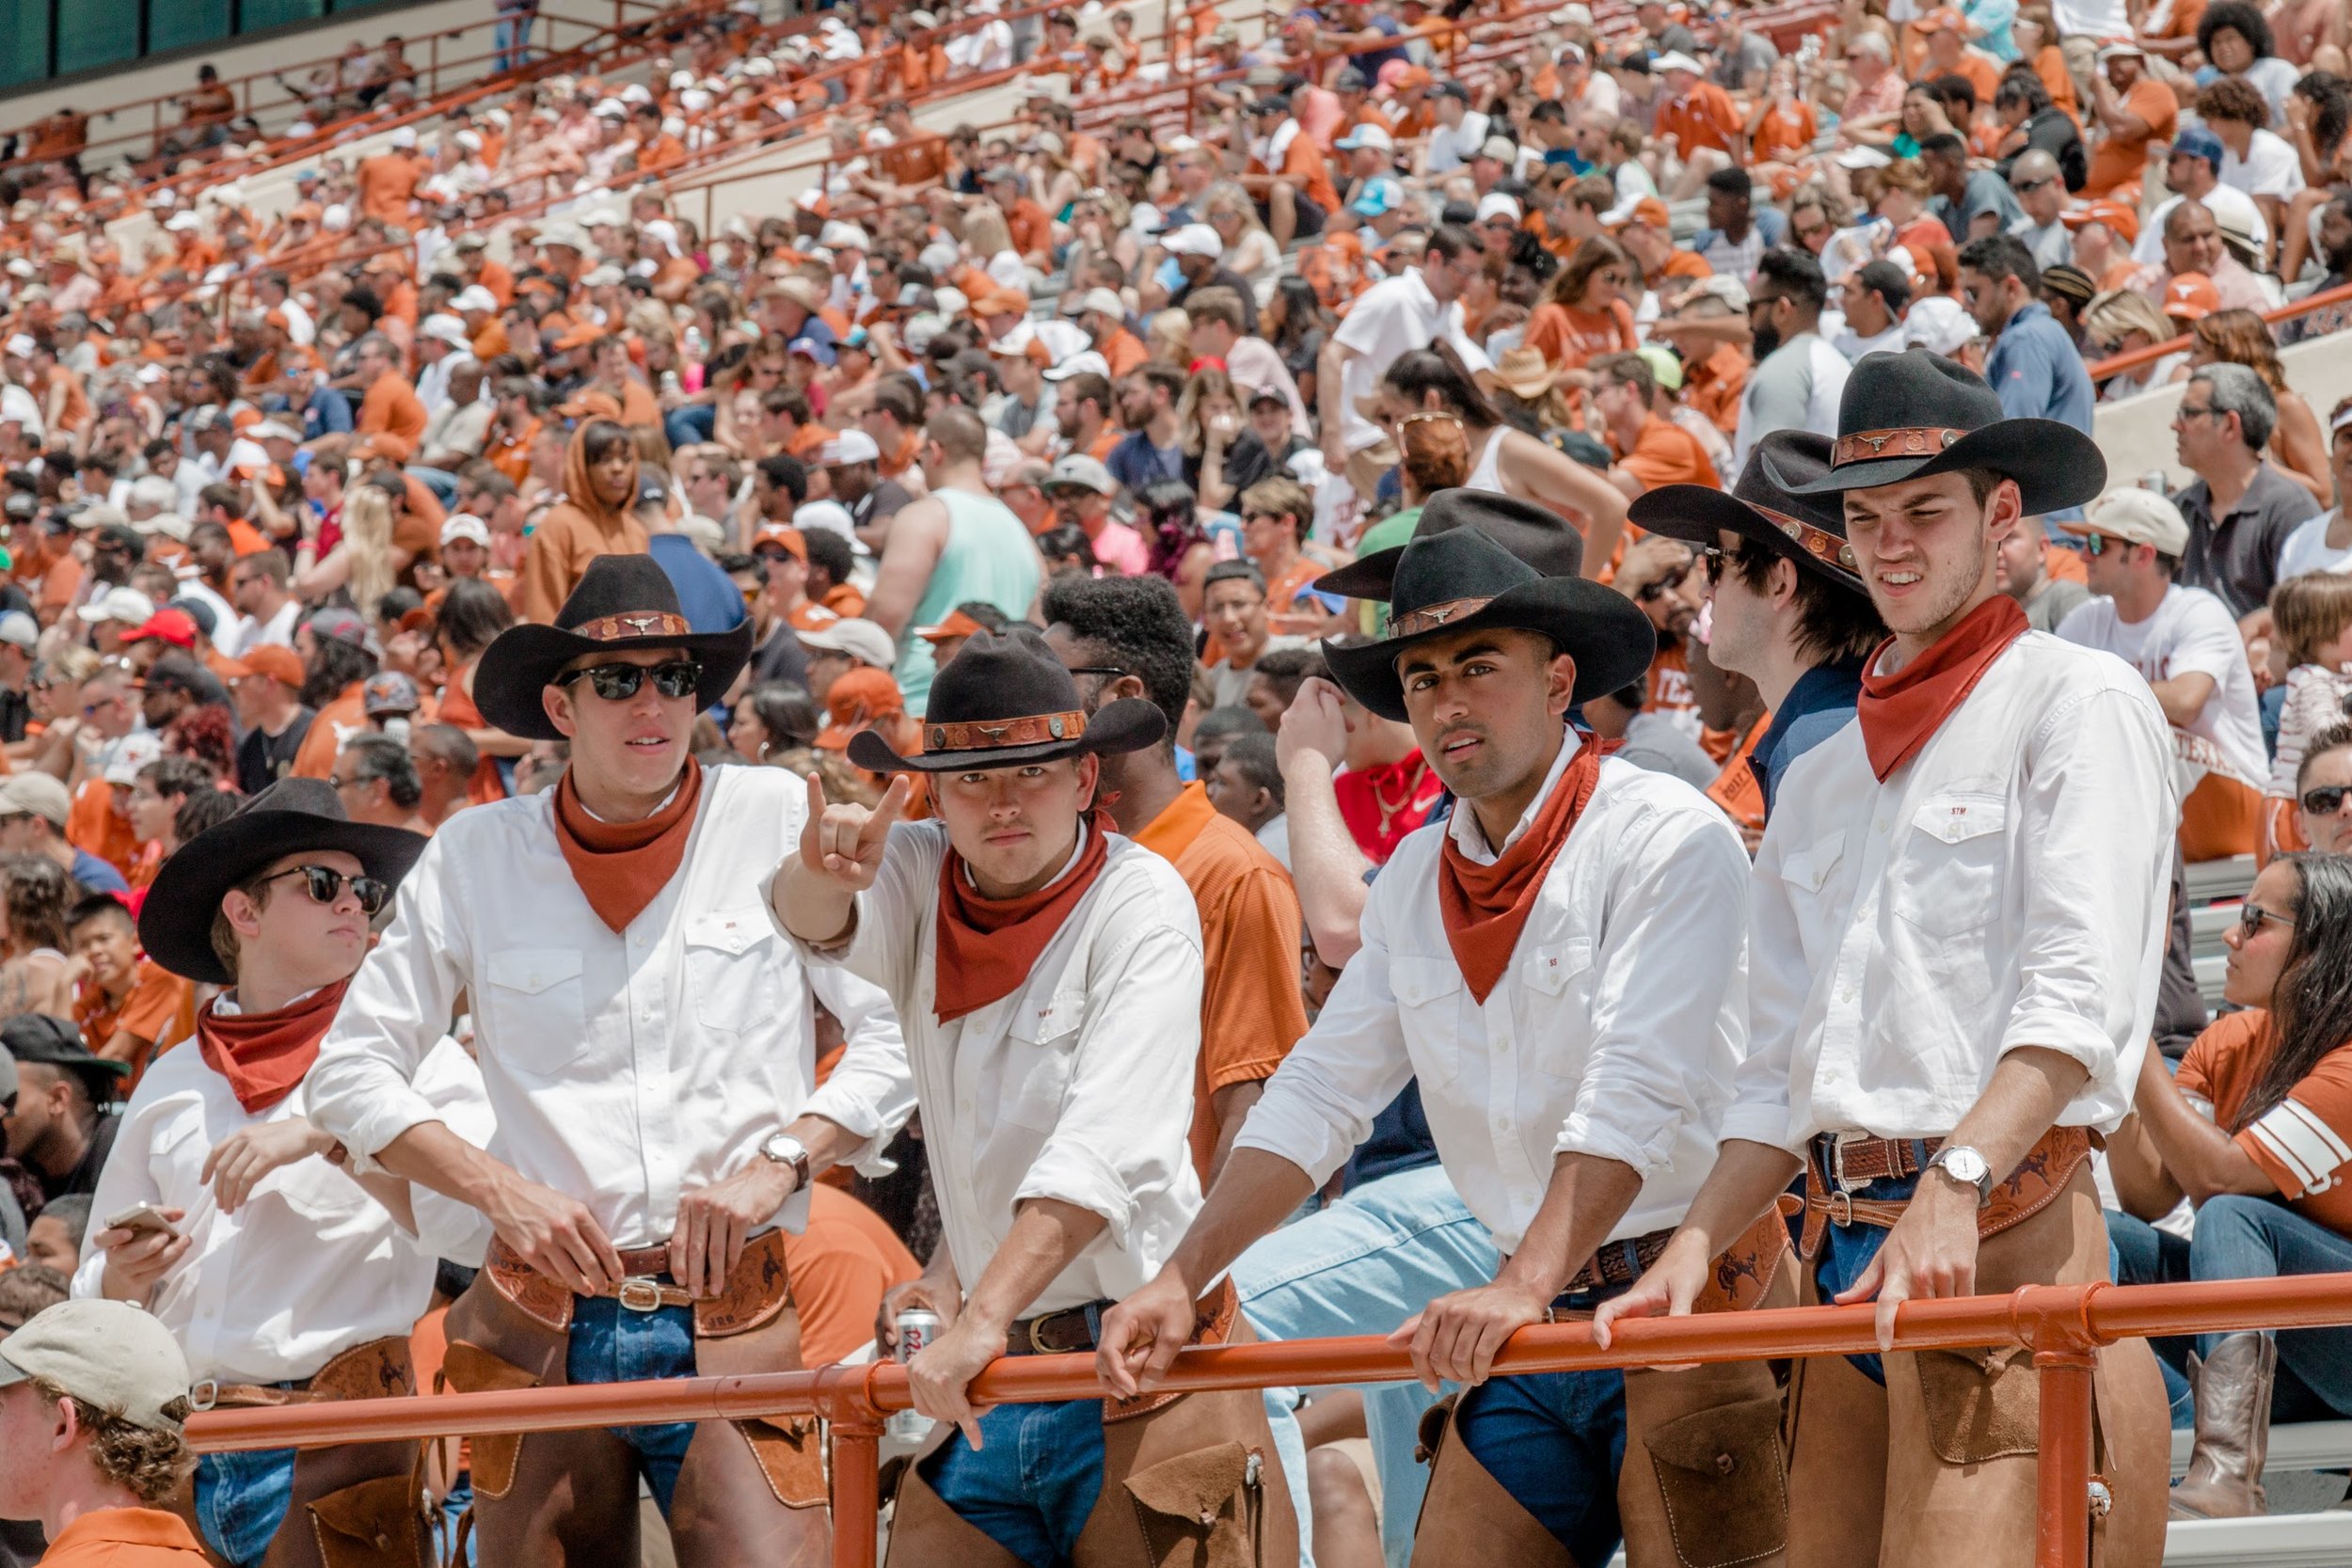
(525, 659)
(2055, 465)
(1129, 725)
(176, 919)
(1699, 515)
(1606, 633)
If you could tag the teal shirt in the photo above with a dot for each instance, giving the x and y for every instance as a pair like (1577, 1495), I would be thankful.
(988, 557)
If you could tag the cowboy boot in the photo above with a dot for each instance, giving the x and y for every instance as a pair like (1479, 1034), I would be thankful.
(2233, 1391)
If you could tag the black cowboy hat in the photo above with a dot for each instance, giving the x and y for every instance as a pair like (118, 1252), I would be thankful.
(55, 1041)
(1809, 529)
(1536, 534)
(290, 816)
(1915, 414)
(1462, 580)
(623, 603)
(1004, 701)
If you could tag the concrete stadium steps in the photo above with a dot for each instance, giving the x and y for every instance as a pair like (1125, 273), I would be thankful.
(2216, 890)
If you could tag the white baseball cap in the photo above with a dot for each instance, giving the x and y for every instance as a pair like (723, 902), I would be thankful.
(1499, 204)
(126, 605)
(106, 1353)
(474, 296)
(2136, 514)
(1079, 364)
(1367, 136)
(464, 525)
(131, 752)
(1193, 239)
(447, 329)
(859, 639)
(851, 446)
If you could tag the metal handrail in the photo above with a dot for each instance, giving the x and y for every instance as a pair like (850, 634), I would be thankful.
(2121, 364)
(2062, 1324)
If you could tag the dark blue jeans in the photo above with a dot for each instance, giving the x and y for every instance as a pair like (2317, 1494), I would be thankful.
(2139, 1254)
(1555, 1441)
(691, 424)
(2261, 1238)
(613, 1344)
(241, 1499)
(1033, 1480)
(1847, 1251)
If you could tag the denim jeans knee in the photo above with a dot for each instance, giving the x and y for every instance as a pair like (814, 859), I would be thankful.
(1033, 1480)
(613, 1344)
(1555, 1441)
(241, 1500)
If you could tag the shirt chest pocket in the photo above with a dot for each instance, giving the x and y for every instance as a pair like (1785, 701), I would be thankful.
(734, 969)
(537, 1007)
(1042, 1052)
(1948, 881)
(1433, 1004)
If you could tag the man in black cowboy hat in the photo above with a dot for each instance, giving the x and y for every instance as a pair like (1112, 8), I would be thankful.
(274, 1268)
(1959, 913)
(649, 1039)
(63, 1123)
(1791, 612)
(1048, 975)
(1558, 964)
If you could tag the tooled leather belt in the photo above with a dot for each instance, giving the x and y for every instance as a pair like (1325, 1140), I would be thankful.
(1062, 1333)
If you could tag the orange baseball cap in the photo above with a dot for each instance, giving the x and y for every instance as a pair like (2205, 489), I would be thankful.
(1942, 19)
(855, 701)
(1649, 209)
(790, 538)
(282, 665)
(957, 624)
(2191, 296)
(2120, 216)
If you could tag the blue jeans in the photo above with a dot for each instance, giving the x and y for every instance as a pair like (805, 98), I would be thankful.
(1555, 1442)
(328, 412)
(1847, 1251)
(2139, 1254)
(2261, 1238)
(690, 425)
(514, 40)
(241, 1499)
(1363, 1265)
(613, 1344)
(439, 480)
(1033, 1480)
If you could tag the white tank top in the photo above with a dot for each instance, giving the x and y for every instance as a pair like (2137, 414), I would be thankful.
(1487, 473)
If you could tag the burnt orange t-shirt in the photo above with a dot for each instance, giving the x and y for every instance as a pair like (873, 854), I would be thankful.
(2302, 1143)
(1251, 1012)
(391, 406)
(159, 1009)
(1665, 453)
(1570, 336)
(2119, 163)
(387, 184)
(1303, 165)
(1787, 131)
(94, 827)
(1706, 119)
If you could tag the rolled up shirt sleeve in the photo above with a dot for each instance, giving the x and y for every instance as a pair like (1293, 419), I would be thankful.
(1674, 947)
(2100, 812)
(1122, 1129)
(362, 1089)
(1321, 1101)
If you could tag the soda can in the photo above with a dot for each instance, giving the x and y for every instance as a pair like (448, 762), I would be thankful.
(2154, 479)
(918, 1327)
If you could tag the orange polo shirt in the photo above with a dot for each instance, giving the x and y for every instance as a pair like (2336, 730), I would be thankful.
(93, 826)
(347, 714)
(1251, 1012)
(160, 1007)
(126, 1538)
(1706, 119)
(1665, 453)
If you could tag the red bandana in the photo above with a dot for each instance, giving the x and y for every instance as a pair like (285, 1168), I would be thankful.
(1485, 906)
(264, 1055)
(623, 866)
(987, 946)
(1902, 711)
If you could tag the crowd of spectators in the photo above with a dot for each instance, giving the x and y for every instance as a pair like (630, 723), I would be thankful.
(274, 478)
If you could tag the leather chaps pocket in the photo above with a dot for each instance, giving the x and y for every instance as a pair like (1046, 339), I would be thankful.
(1725, 1483)
(1202, 1508)
(1980, 1405)
(375, 1524)
(470, 1370)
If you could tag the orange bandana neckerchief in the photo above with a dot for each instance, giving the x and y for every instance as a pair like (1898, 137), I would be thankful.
(1485, 906)
(1899, 713)
(264, 1055)
(987, 946)
(623, 866)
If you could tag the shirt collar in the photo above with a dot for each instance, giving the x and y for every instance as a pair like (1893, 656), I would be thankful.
(1471, 839)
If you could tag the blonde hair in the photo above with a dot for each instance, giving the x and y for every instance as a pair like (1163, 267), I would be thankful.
(367, 522)
(2107, 318)
(986, 234)
(1190, 420)
(1168, 335)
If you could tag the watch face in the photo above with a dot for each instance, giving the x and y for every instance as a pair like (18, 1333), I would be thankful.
(1965, 1163)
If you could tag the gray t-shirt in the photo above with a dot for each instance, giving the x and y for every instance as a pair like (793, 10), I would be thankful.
(1655, 742)
(2053, 601)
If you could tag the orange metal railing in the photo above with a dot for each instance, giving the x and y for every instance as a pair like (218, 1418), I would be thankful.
(2064, 1326)
(2139, 358)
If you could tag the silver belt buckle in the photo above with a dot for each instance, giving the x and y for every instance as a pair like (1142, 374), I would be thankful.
(638, 1294)
(1837, 1142)
(202, 1395)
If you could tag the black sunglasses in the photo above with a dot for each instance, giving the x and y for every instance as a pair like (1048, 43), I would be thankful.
(2251, 919)
(618, 683)
(2323, 800)
(1713, 560)
(325, 884)
(1650, 591)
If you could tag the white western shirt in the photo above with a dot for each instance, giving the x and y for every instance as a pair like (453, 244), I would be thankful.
(626, 1068)
(2006, 886)
(1077, 1087)
(1614, 1032)
(310, 1265)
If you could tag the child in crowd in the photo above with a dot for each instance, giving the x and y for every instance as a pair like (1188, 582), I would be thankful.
(2310, 648)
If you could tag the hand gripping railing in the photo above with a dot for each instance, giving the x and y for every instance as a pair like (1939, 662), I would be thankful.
(2062, 1324)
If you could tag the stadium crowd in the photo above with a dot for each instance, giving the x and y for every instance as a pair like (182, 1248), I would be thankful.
(589, 800)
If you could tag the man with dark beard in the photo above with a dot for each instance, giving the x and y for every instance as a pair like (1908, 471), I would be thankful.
(2335, 248)
(1798, 377)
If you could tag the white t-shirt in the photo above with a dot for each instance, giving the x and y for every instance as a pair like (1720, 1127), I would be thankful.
(1389, 317)
(2192, 633)
(2270, 167)
(1450, 150)
(2306, 550)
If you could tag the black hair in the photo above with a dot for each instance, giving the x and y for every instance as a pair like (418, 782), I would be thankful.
(1139, 624)
(2022, 86)
(98, 905)
(831, 551)
(1287, 667)
(1234, 570)
(2240, 18)
(1796, 275)
(1833, 625)
(2000, 256)
(1887, 280)
(2311, 1005)
(1438, 369)
(1957, 94)
(786, 712)
(1252, 756)
(335, 666)
(472, 614)
(1234, 720)
(380, 756)
(1943, 145)
(1452, 243)
(789, 474)
(1067, 542)
(600, 438)
(988, 615)
(1732, 182)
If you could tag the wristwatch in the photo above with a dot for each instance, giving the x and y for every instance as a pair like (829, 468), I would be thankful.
(786, 1150)
(1966, 1165)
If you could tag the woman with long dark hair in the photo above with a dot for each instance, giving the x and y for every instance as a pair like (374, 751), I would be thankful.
(1180, 550)
(1508, 462)
(2255, 1130)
